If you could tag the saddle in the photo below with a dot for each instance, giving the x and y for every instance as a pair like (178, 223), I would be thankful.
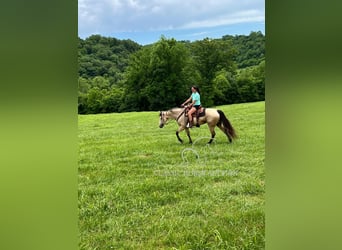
(199, 112)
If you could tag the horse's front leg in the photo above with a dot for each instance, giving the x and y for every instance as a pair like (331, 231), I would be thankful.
(187, 130)
(180, 129)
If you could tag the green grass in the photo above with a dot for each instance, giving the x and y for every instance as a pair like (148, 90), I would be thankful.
(139, 188)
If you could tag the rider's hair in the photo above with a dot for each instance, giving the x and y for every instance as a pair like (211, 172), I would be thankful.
(197, 88)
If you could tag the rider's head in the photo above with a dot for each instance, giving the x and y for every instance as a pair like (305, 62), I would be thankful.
(194, 89)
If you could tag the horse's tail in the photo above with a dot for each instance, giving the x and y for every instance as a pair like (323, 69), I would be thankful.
(230, 131)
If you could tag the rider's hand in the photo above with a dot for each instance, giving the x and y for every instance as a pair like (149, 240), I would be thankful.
(182, 105)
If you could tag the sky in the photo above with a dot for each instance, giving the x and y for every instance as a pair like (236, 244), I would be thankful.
(145, 21)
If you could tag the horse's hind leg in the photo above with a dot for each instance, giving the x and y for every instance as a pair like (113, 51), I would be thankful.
(224, 130)
(188, 134)
(179, 139)
(212, 131)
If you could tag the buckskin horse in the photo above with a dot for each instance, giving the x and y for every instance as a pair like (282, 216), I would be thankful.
(212, 117)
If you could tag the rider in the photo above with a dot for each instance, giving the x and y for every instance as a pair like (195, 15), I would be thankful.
(195, 104)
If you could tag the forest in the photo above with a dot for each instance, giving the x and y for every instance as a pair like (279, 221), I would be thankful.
(121, 75)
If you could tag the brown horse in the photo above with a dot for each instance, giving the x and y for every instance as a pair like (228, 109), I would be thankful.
(212, 117)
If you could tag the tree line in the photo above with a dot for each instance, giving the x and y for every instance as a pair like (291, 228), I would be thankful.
(121, 75)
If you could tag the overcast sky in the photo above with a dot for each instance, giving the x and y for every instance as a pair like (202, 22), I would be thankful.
(144, 21)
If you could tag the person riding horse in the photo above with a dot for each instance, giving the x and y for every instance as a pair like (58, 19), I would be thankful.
(195, 104)
(213, 117)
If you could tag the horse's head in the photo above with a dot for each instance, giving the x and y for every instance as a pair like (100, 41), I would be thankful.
(163, 118)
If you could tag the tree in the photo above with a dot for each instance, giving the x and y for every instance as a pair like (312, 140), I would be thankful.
(221, 85)
(250, 49)
(113, 99)
(155, 77)
(95, 101)
(212, 56)
(260, 78)
(102, 56)
(251, 83)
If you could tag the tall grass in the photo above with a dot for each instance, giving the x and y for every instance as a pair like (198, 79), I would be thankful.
(139, 188)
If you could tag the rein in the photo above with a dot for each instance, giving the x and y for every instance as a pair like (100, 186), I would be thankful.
(180, 114)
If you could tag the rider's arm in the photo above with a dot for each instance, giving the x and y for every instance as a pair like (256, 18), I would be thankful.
(188, 100)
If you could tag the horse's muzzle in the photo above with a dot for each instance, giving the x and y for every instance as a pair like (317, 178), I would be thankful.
(161, 125)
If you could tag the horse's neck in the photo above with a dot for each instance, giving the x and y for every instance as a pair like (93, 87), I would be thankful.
(174, 113)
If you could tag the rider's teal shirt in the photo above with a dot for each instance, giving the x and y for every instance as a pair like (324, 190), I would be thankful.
(196, 97)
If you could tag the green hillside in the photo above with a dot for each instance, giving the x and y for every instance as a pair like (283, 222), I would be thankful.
(121, 75)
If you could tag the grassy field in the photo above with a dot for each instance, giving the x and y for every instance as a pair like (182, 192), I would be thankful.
(139, 188)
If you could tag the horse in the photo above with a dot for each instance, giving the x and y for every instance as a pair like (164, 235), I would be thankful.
(212, 117)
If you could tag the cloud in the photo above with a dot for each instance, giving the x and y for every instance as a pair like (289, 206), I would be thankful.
(239, 17)
(109, 16)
